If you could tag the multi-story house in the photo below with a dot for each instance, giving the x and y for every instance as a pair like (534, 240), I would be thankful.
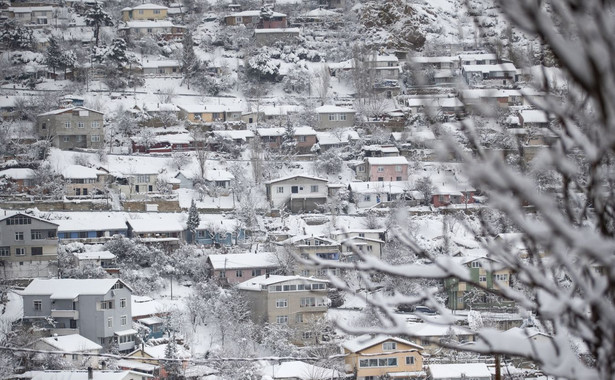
(167, 230)
(28, 247)
(138, 184)
(231, 269)
(298, 192)
(70, 128)
(365, 242)
(31, 15)
(292, 300)
(160, 28)
(304, 138)
(98, 309)
(332, 117)
(383, 169)
(145, 12)
(309, 247)
(378, 356)
(484, 271)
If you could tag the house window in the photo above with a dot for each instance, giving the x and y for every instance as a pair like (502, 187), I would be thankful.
(389, 346)
(106, 305)
(367, 198)
(369, 248)
(36, 235)
(482, 278)
(122, 302)
(67, 124)
(95, 138)
(308, 302)
(79, 138)
(123, 320)
(222, 274)
(280, 190)
(238, 273)
(80, 124)
(20, 251)
(238, 20)
(142, 178)
(281, 319)
(380, 169)
(382, 362)
(19, 236)
(501, 277)
(5, 251)
(398, 168)
(19, 219)
(256, 272)
(305, 272)
(301, 138)
(361, 168)
(398, 179)
(95, 124)
(37, 251)
(38, 305)
(140, 11)
(110, 322)
(306, 335)
(314, 188)
(299, 318)
(66, 138)
(281, 303)
(44, 126)
(332, 117)
(156, 11)
(409, 360)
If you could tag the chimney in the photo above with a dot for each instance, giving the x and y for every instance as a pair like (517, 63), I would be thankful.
(90, 373)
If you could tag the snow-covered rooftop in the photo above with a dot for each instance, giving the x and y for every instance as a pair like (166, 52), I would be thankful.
(333, 109)
(71, 109)
(257, 283)
(310, 178)
(66, 288)
(152, 224)
(456, 371)
(72, 343)
(394, 160)
(362, 342)
(235, 135)
(95, 255)
(255, 13)
(244, 260)
(99, 223)
(392, 187)
(80, 172)
(148, 24)
(17, 173)
(298, 370)
(83, 375)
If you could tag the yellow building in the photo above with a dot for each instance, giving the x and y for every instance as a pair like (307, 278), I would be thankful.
(145, 12)
(372, 356)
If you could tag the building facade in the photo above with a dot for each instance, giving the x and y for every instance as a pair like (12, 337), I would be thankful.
(98, 309)
(28, 247)
(70, 128)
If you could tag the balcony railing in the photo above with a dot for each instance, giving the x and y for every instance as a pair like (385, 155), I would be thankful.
(72, 314)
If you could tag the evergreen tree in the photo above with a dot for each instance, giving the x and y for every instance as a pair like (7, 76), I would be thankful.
(54, 56)
(193, 220)
(117, 52)
(173, 366)
(190, 62)
(96, 18)
(288, 139)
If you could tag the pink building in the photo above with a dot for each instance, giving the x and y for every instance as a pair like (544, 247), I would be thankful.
(452, 197)
(383, 169)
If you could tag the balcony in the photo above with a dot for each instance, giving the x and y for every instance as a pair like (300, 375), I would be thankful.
(71, 314)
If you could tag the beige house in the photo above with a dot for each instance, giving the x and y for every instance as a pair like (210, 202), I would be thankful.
(292, 300)
(30, 15)
(207, 113)
(160, 28)
(70, 128)
(334, 117)
(145, 12)
(82, 181)
(28, 246)
(137, 185)
(374, 356)
(297, 192)
(309, 247)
